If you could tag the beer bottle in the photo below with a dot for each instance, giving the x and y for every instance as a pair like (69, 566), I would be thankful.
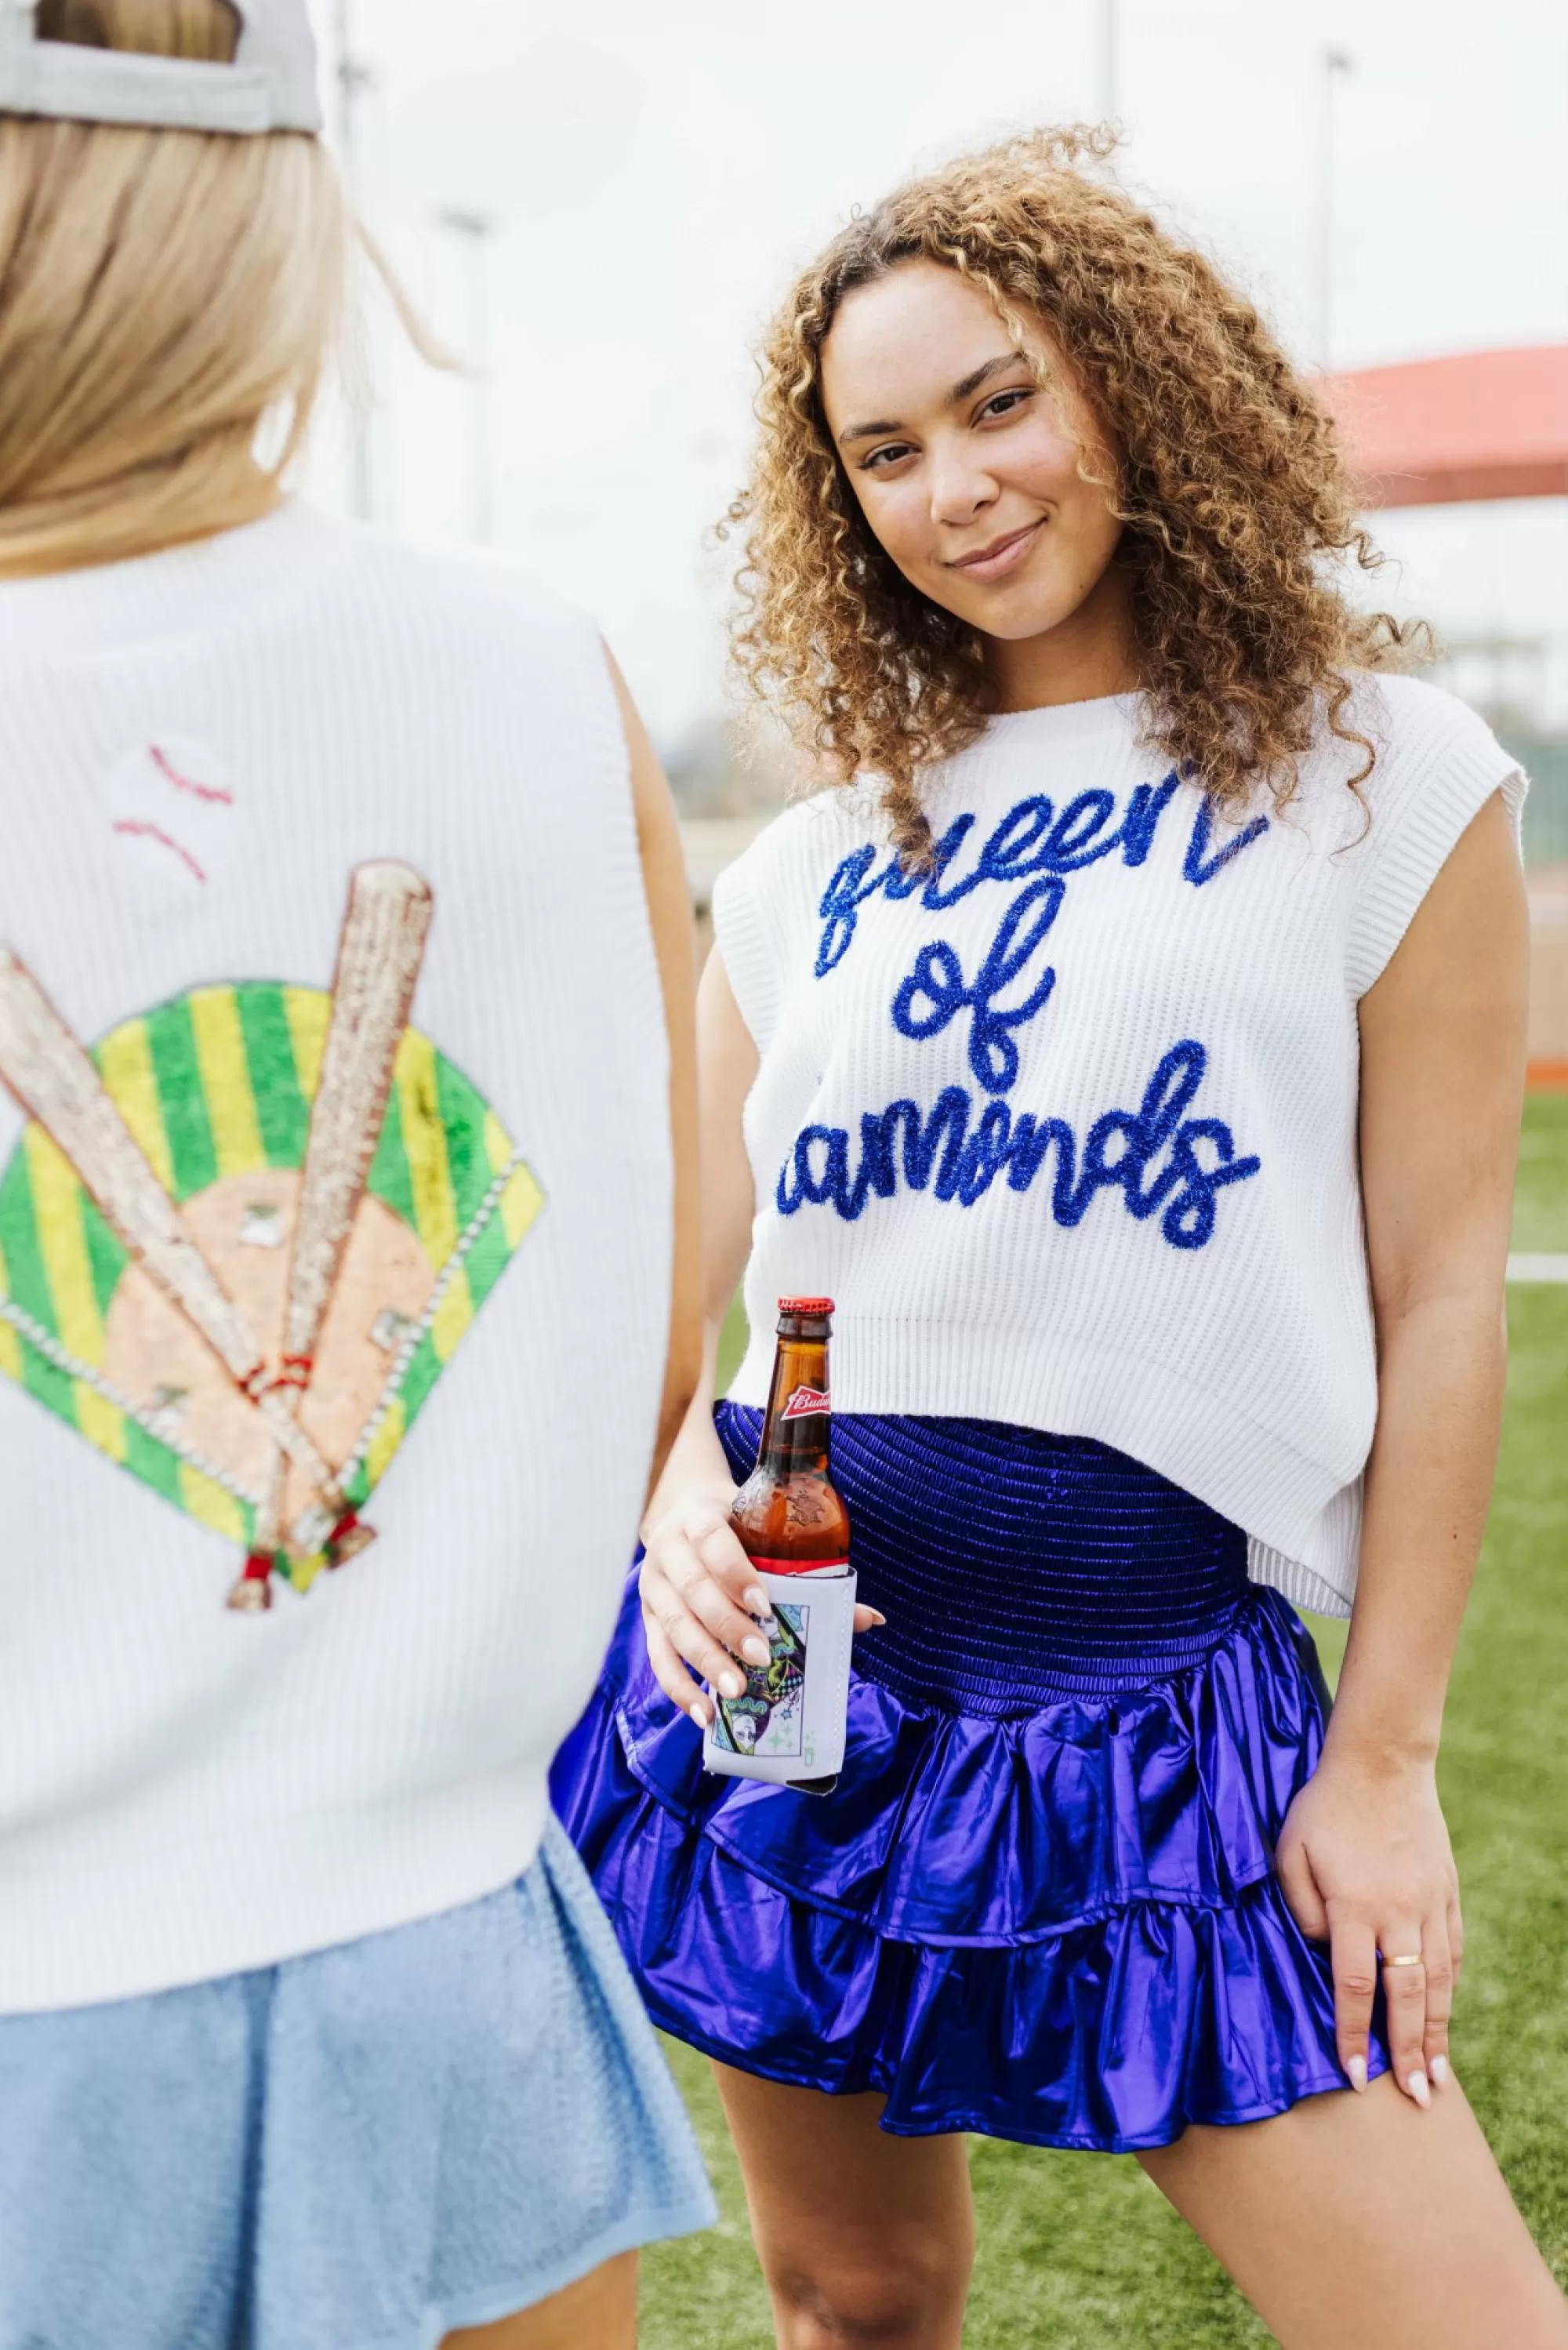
(787, 1514)
(792, 1522)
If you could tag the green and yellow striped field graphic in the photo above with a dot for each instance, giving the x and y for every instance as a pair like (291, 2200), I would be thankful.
(219, 1083)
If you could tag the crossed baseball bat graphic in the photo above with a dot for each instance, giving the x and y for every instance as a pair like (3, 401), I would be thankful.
(380, 950)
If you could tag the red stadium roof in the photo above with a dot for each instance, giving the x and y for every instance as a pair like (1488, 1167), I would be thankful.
(1481, 424)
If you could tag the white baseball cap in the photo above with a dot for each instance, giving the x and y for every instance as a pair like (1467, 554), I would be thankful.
(270, 86)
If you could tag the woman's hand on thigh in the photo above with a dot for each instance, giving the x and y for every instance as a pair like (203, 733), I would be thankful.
(1365, 1865)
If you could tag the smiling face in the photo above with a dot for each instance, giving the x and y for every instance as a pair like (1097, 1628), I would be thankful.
(968, 473)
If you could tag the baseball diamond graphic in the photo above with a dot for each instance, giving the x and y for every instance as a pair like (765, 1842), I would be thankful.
(215, 1089)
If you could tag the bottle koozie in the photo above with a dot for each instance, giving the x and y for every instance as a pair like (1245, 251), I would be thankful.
(788, 1723)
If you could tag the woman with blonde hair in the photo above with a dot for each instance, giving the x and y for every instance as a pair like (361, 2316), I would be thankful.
(343, 1033)
(1132, 1045)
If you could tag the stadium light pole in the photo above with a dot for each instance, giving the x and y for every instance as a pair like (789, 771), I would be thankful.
(352, 78)
(1336, 66)
(474, 231)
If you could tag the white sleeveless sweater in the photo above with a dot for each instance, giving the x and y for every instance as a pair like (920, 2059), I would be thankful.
(1069, 1133)
(197, 751)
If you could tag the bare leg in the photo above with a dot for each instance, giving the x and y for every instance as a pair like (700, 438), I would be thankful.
(597, 2312)
(1353, 2223)
(863, 2237)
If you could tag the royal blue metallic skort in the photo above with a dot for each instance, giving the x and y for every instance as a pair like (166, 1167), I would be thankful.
(1041, 1902)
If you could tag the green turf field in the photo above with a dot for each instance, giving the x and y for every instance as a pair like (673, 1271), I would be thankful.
(1078, 2250)
(1541, 1214)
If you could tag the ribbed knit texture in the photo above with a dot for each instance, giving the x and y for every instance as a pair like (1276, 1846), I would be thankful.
(1069, 1133)
(185, 1791)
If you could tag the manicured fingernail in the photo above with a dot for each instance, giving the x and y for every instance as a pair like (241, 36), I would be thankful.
(698, 1713)
(1418, 2089)
(1438, 2069)
(754, 1651)
(1356, 2068)
(756, 1602)
(878, 1616)
(732, 1684)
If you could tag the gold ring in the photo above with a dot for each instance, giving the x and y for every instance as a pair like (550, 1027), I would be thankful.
(1415, 1962)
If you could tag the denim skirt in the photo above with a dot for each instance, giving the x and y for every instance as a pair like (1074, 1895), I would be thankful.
(360, 2149)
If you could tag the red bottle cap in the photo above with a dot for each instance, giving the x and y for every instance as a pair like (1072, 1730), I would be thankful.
(806, 1304)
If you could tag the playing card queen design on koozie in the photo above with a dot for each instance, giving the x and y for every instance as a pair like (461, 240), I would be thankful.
(218, 1090)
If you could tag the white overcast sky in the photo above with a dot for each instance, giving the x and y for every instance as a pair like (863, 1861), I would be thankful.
(655, 168)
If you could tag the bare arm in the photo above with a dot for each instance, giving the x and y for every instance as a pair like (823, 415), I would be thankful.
(669, 912)
(700, 1601)
(700, 1604)
(1364, 1856)
(727, 1065)
(1442, 1090)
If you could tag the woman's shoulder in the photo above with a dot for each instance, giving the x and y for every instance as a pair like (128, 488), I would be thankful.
(1419, 711)
(766, 905)
(1396, 749)
(457, 587)
(1414, 729)
(430, 616)
(1436, 764)
(801, 846)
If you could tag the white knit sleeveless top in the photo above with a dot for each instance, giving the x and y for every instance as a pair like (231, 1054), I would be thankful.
(199, 752)
(1070, 1132)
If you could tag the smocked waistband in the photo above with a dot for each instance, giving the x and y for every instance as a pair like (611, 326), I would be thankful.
(1015, 1566)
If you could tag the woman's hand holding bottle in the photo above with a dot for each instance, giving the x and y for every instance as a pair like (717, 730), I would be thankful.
(703, 1605)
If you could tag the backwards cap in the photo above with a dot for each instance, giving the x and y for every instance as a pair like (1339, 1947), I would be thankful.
(270, 86)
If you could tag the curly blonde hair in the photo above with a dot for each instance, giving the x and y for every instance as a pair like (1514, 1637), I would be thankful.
(1236, 501)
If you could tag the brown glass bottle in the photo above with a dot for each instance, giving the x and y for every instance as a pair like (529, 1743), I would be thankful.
(789, 1516)
(788, 1513)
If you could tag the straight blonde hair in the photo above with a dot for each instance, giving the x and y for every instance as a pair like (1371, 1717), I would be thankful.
(161, 293)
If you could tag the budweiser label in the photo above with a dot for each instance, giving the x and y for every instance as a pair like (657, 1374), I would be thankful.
(805, 1401)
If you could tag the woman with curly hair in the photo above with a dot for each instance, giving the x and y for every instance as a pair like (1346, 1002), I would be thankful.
(1133, 1045)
